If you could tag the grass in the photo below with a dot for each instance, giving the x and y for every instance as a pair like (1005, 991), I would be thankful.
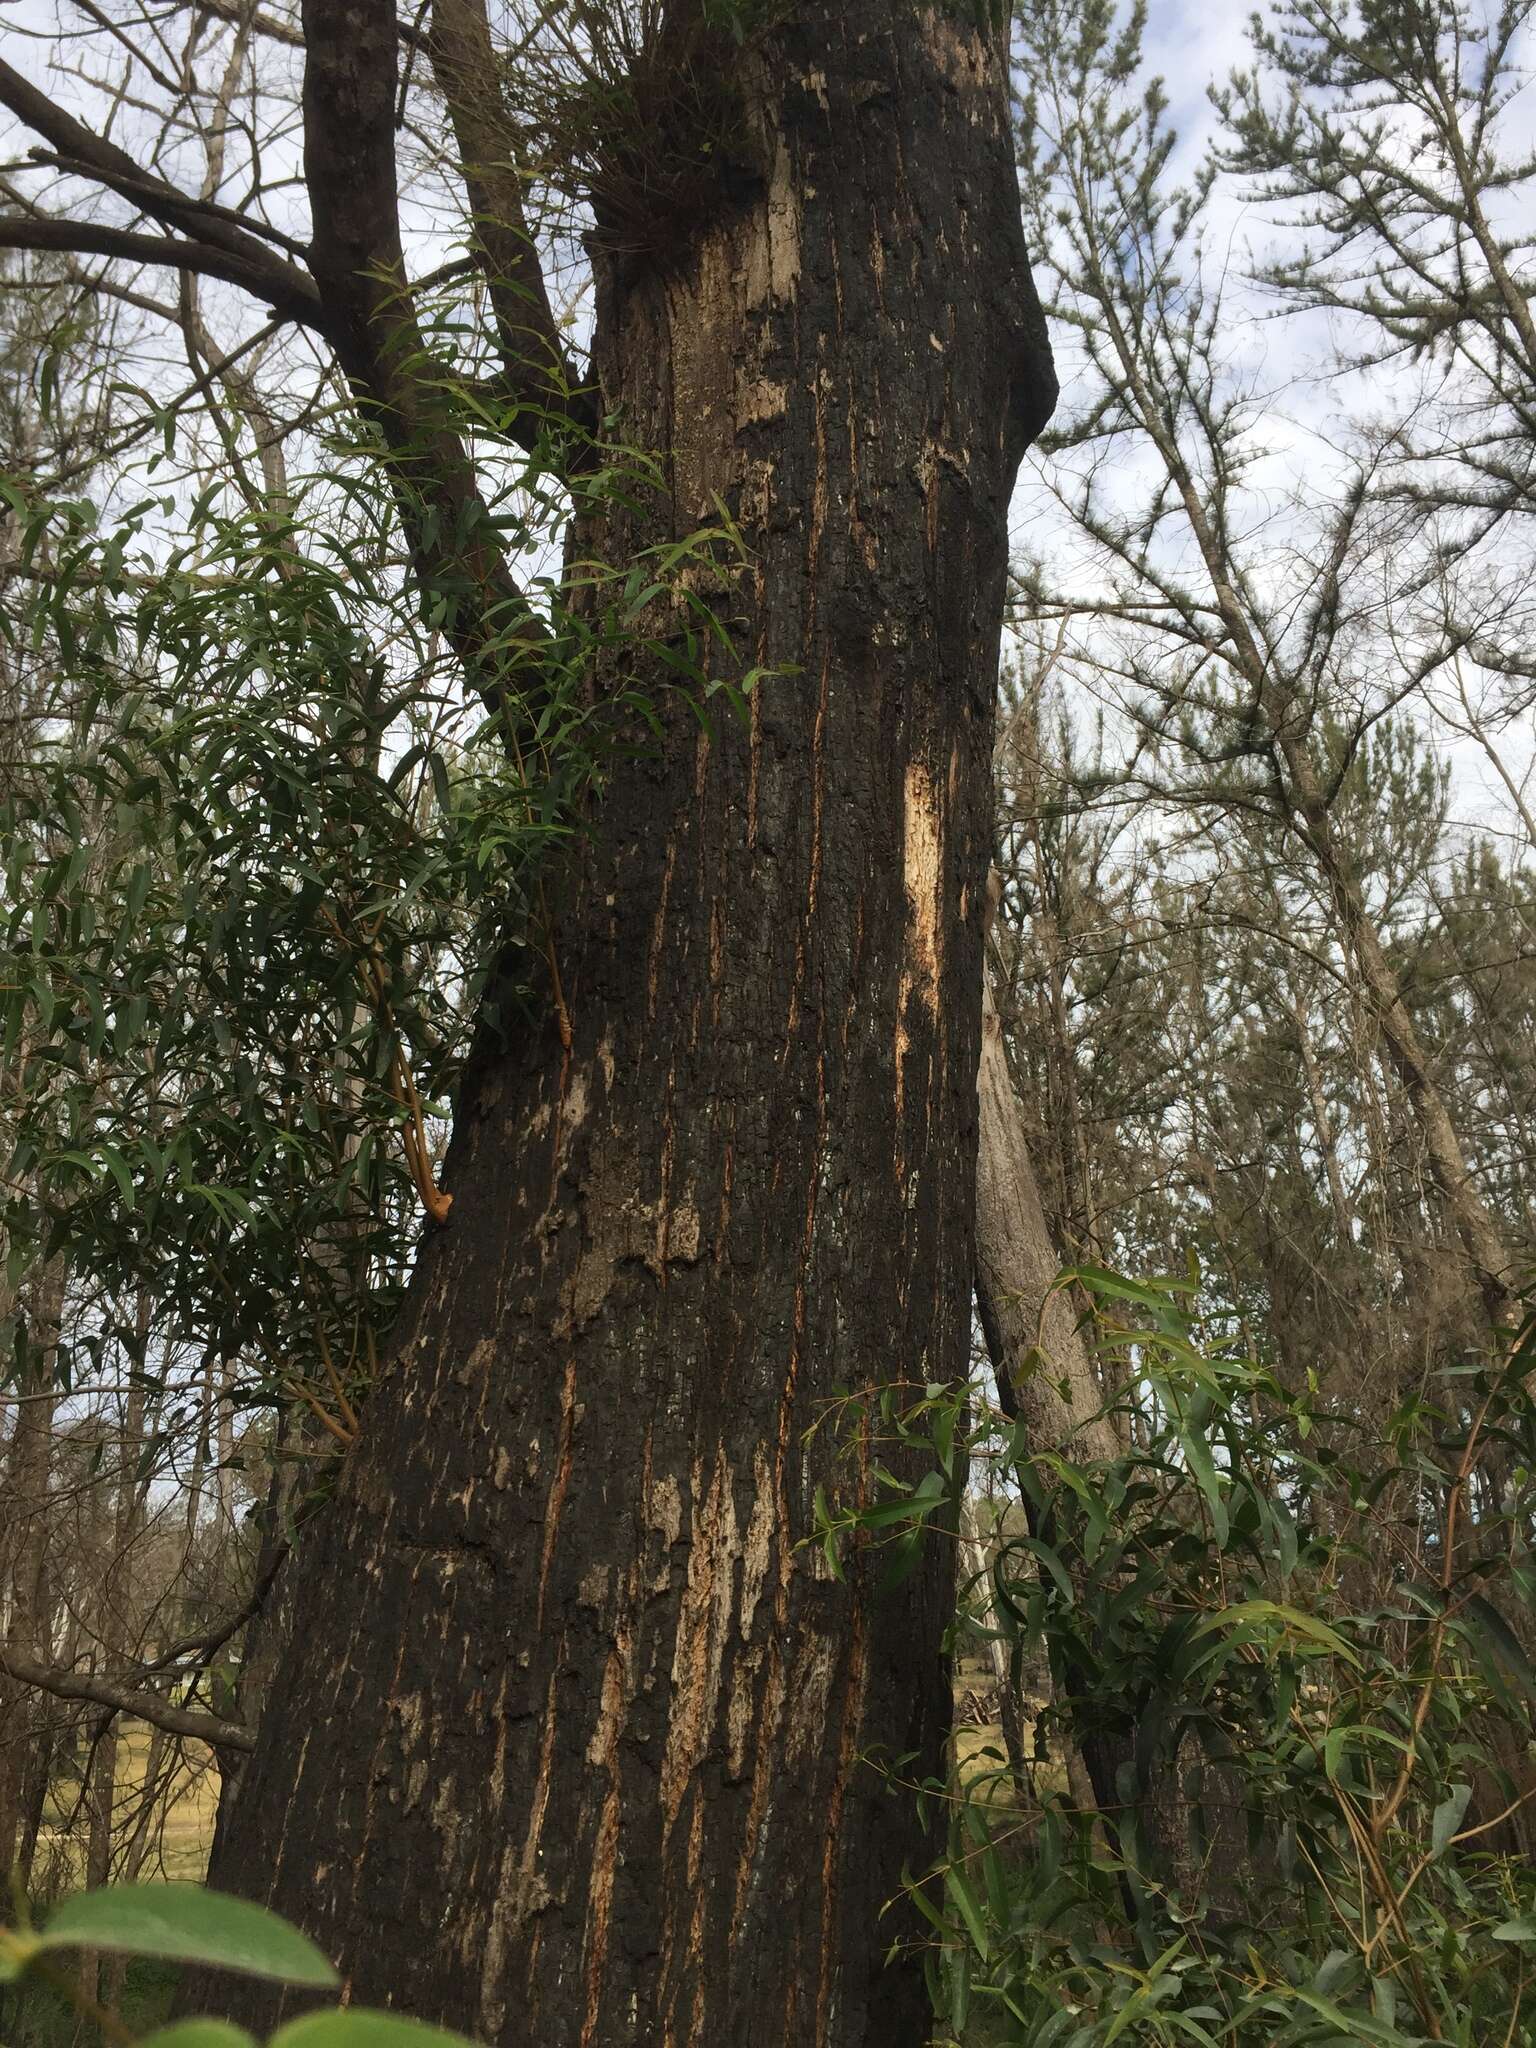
(979, 1753)
(180, 1834)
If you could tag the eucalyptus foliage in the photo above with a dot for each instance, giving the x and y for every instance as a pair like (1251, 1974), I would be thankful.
(264, 860)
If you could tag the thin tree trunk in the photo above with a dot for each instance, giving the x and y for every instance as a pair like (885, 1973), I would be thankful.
(99, 1801)
(1045, 1376)
(23, 1561)
(1488, 1256)
(975, 1567)
(225, 1481)
(266, 1634)
(572, 1739)
(1047, 1379)
(1066, 1195)
(136, 1849)
(112, 1627)
(43, 1747)
(1053, 1382)
(1322, 1124)
(1277, 699)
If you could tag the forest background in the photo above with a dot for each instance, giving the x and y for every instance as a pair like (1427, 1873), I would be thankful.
(1248, 1547)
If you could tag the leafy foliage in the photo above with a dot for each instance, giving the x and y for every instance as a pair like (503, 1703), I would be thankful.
(190, 1924)
(1303, 1645)
(179, 1923)
(260, 869)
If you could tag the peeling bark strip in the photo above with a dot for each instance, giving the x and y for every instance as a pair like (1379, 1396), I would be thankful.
(570, 1746)
(1031, 1325)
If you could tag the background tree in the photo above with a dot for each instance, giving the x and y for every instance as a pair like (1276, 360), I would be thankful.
(1258, 680)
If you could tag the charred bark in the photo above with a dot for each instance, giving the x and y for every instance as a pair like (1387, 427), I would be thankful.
(573, 1741)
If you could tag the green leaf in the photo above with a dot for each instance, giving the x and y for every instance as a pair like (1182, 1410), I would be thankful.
(970, 1912)
(1134, 2006)
(1336, 1971)
(1353, 2026)
(117, 1166)
(1294, 1622)
(351, 2027)
(1515, 1930)
(198, 2034)
(1201, 1463)
(1506, 1646)
(1052, 1563)
(17, 1948)
(186, 1923)
(960, 1993)
(1448, 1816)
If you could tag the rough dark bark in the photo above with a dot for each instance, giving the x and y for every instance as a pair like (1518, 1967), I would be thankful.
(571, 1741)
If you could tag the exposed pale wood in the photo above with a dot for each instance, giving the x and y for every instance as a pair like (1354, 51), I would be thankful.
(1051, 1374)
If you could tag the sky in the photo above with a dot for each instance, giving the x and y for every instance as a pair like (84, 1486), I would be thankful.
(1189, 43)
(1190, 46)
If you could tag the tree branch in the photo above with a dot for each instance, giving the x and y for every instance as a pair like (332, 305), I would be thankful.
(140, 189)
(299, 302)
(285, 32)
(147, 1706)
(214, 1639)
(357, 295)
(261, 271)
(359, 264)
(532, 347)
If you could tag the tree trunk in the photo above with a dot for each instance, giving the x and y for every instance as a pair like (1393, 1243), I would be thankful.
(37, 1777)
(1031, 1325)
(267, 1633)
(1489, 1258)
(1322, 1126)
(976, 1573)
(24, 1496)
(1047, 1378)
(99, 1801)
(114, 1634)
(571, 1744)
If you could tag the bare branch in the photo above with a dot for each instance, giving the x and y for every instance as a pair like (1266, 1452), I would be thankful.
(280, 284)
(533, 349)
(142, 189)
(148, 1706)
(91, 238)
